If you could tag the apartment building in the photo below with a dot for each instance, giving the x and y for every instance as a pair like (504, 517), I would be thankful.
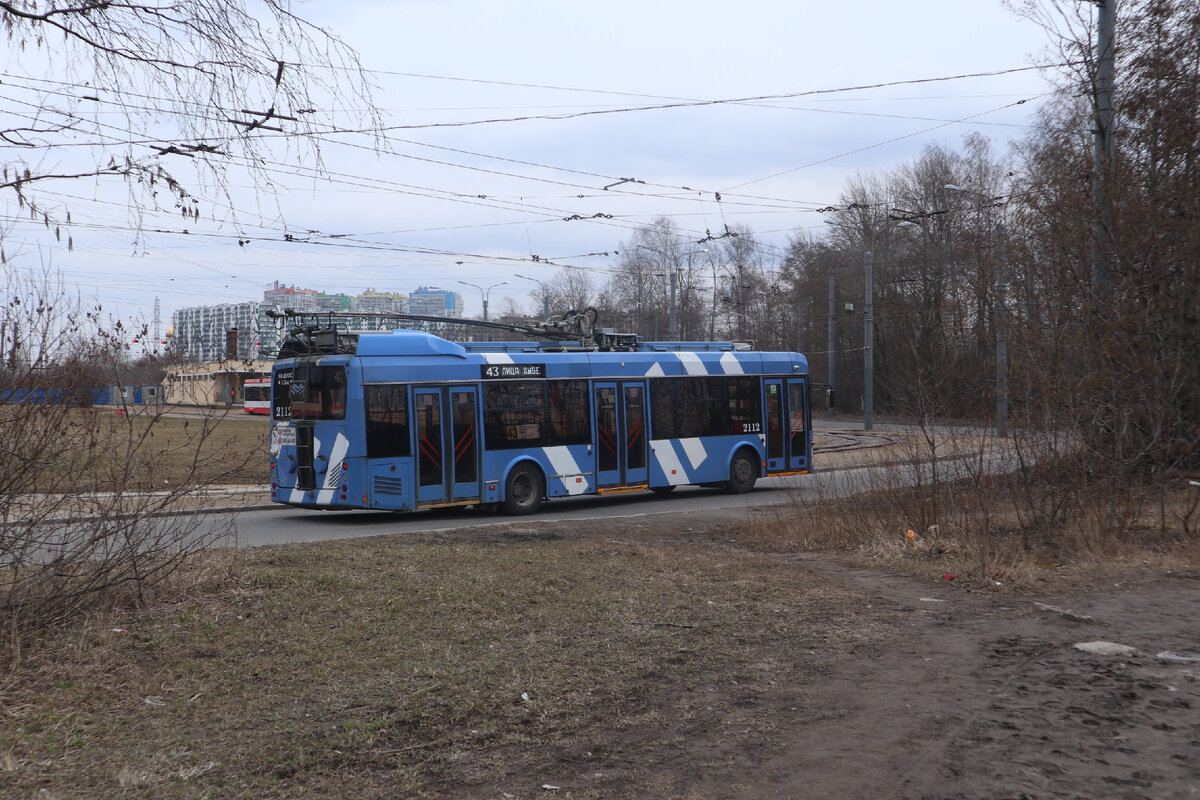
(246, 331)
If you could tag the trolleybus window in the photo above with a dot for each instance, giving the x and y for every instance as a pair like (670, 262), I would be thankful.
(281, 398)
(318, 393)
(387, 421)
(569, 420)
(535, 414)
(688, 407)
(662, 408)
(745, 405)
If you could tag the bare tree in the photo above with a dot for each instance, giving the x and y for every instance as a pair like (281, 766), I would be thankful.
(84, 487)
(199, 87)
(640, 293)
(1126, 360)
(741, 280)
(571, 289)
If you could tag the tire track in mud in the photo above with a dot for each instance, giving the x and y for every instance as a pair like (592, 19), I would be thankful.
(984, 696)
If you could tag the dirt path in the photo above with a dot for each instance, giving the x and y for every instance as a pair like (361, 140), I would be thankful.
(973, 695)
(986, 697)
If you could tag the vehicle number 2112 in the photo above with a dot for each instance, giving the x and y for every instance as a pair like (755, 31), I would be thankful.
(751, 427)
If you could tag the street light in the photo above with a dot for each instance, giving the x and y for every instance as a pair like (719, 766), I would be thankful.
(545, 293)
(485, 293)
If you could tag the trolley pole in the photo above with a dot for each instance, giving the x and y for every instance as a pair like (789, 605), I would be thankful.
(869, 345)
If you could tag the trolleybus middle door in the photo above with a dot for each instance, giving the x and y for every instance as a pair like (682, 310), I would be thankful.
(447, 444)
(620, 433)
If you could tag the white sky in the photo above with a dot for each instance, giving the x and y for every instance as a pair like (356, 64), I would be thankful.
(451, 61)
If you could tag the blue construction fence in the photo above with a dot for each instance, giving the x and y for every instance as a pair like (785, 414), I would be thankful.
(129, 394)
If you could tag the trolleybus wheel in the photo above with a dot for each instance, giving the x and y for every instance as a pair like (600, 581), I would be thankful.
(663, 489)
(524, 490)
(743, 472)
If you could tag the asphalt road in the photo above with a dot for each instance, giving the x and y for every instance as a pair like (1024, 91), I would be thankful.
(281, 524)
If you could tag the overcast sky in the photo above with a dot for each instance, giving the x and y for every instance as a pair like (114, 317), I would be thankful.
(527, 175)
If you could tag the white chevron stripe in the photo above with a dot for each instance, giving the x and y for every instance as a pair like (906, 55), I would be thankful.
(567, 469)
(664, 453)
(497, 358)
(694, 450)
(692, 364)
(731, 365)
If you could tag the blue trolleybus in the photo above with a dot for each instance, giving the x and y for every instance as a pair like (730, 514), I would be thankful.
(407, 420)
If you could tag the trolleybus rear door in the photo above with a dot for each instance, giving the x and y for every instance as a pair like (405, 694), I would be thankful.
(447, 445)
(776, 445)
(620, 433)
(797, 404)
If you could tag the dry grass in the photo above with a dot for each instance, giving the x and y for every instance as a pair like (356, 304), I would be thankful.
(386, 668)
(148, 452)
(982, 536)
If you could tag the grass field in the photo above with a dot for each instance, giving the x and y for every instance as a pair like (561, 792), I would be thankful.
(398, 668)
(236, 450)
(498, 661)
(63, 450)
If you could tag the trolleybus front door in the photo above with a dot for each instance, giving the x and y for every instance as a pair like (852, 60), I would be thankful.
(797, 406)
(787, 425)
(447, 445)
(620, 433)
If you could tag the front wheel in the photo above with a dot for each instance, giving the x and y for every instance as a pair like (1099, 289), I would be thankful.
(663, 489)
(743, 472)
(524, 490)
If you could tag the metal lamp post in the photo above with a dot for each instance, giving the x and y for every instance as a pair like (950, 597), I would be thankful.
(545, 294)
(485, 293)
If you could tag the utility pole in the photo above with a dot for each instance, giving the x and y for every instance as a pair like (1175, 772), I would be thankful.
(799, 323)
(739, 305)
(1105, 151)
(1001, 339)
(869, 344)
(832, 347)
(673, 323)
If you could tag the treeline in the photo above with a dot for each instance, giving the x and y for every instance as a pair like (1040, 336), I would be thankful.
(975, 252)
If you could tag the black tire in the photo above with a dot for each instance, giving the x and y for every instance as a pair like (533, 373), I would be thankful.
(663, 489)
(524, 490)
(743, 472)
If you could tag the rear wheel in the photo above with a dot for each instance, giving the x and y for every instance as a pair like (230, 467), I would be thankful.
(524, 490)
(663, 489)
(743, 472)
